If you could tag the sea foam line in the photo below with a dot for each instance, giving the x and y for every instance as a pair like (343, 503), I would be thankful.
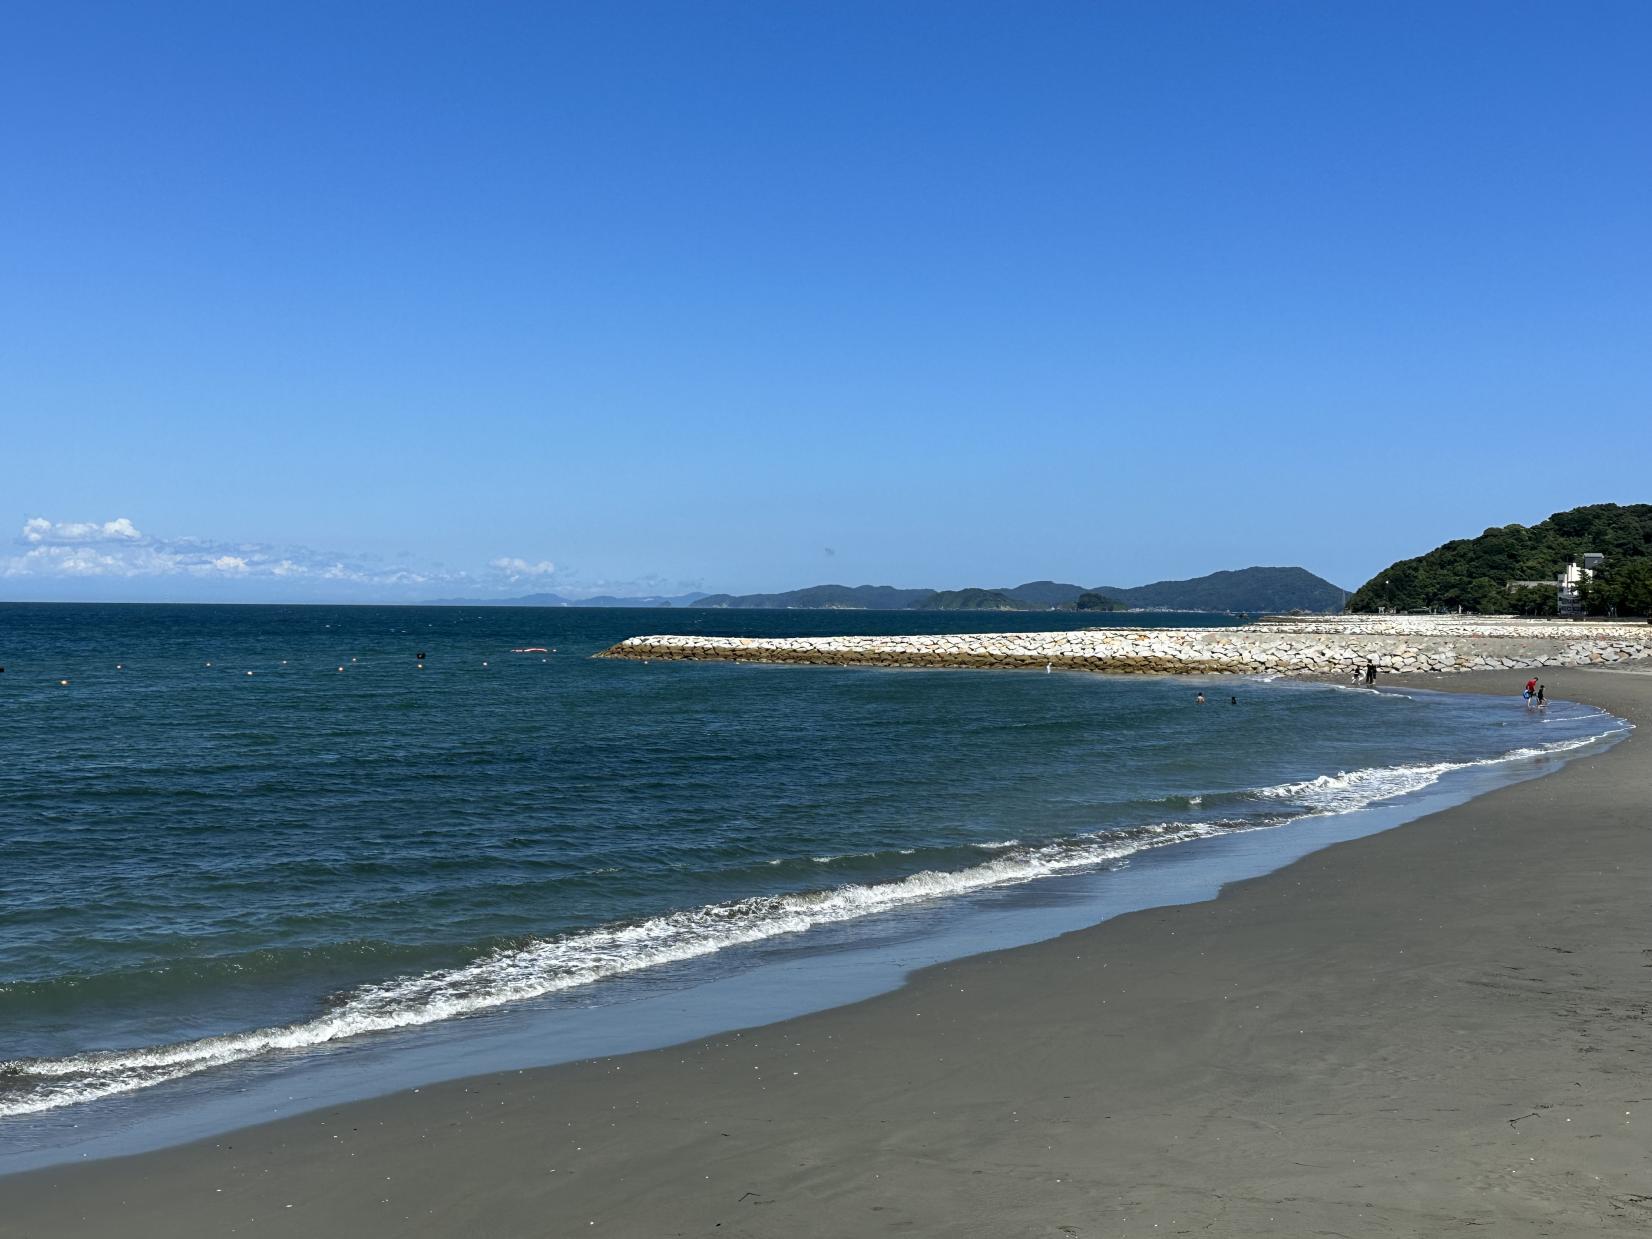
(541, 968)
(1354, 789)
(538, 969)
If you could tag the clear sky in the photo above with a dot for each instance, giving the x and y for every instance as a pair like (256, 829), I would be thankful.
(409, 300)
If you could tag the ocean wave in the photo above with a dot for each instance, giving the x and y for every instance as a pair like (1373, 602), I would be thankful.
(833, 857)
(1336, 686)
(1354, 789)
(539, 968)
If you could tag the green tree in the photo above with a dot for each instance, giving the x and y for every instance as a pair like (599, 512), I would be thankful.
(1623, 587)
(1488, 597)
(1598, 594)
(1534, 600)
(1635, 588)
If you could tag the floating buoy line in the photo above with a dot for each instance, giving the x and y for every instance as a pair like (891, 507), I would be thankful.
(420, 658)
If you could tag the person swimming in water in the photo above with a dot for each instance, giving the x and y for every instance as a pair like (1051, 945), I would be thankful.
(1199, 699)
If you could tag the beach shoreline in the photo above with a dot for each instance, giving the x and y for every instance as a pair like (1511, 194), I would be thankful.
(1412, 1032)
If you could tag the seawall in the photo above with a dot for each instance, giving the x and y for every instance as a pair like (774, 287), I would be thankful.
(1287, 646)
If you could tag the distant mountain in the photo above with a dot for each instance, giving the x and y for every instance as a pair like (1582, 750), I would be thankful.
(824, 598)
(974, 600)
(1048, 594)
(557, 600)
(1474, 573)
(1247, 589)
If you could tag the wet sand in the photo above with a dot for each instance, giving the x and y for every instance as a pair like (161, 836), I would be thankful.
(1439, 1029)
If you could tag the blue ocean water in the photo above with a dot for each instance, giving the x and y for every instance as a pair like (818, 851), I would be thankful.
(233, 834)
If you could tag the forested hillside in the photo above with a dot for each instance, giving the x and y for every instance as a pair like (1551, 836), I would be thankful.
(1474, 573)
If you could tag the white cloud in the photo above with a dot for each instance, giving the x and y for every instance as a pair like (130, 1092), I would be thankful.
(117, 551)
(70, 560)
(518, 569)
(37, 530)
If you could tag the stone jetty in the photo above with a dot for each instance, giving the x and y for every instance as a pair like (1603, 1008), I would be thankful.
(1308, 646)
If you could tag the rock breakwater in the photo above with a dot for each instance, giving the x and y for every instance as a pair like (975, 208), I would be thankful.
(1316, 646)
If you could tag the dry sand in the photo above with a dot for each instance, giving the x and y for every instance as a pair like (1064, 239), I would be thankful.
(1435, 1030)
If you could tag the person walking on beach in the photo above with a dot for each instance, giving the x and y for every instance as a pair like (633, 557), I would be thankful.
(1531, 687)
(1541, 704)
(1370, 672)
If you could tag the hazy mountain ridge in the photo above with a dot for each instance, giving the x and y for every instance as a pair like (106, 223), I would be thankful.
(1242, 589)
(557, 600)
(824, 597)
(1249, 590)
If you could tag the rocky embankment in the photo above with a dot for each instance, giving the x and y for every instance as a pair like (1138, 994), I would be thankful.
(1319, 645)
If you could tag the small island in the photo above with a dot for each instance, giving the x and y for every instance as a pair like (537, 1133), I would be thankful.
(1089, 600)
(974, 600)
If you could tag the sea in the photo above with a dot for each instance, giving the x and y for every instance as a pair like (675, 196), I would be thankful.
(259, 858)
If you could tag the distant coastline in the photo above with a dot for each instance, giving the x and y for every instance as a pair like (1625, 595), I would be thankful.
(1244, 591)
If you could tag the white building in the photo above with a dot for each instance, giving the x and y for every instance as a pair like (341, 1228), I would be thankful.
(1569, 584)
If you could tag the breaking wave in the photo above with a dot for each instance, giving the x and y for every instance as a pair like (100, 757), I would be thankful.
(538, 968)
(1354, 789)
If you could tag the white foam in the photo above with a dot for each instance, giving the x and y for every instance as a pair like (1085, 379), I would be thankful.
(541, 968)
(1354, 789)
(834, 857)
(544, 967)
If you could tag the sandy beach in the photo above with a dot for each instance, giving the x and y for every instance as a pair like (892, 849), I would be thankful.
(1439, 1029)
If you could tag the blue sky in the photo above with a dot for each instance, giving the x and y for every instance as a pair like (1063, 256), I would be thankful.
(409, 300)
